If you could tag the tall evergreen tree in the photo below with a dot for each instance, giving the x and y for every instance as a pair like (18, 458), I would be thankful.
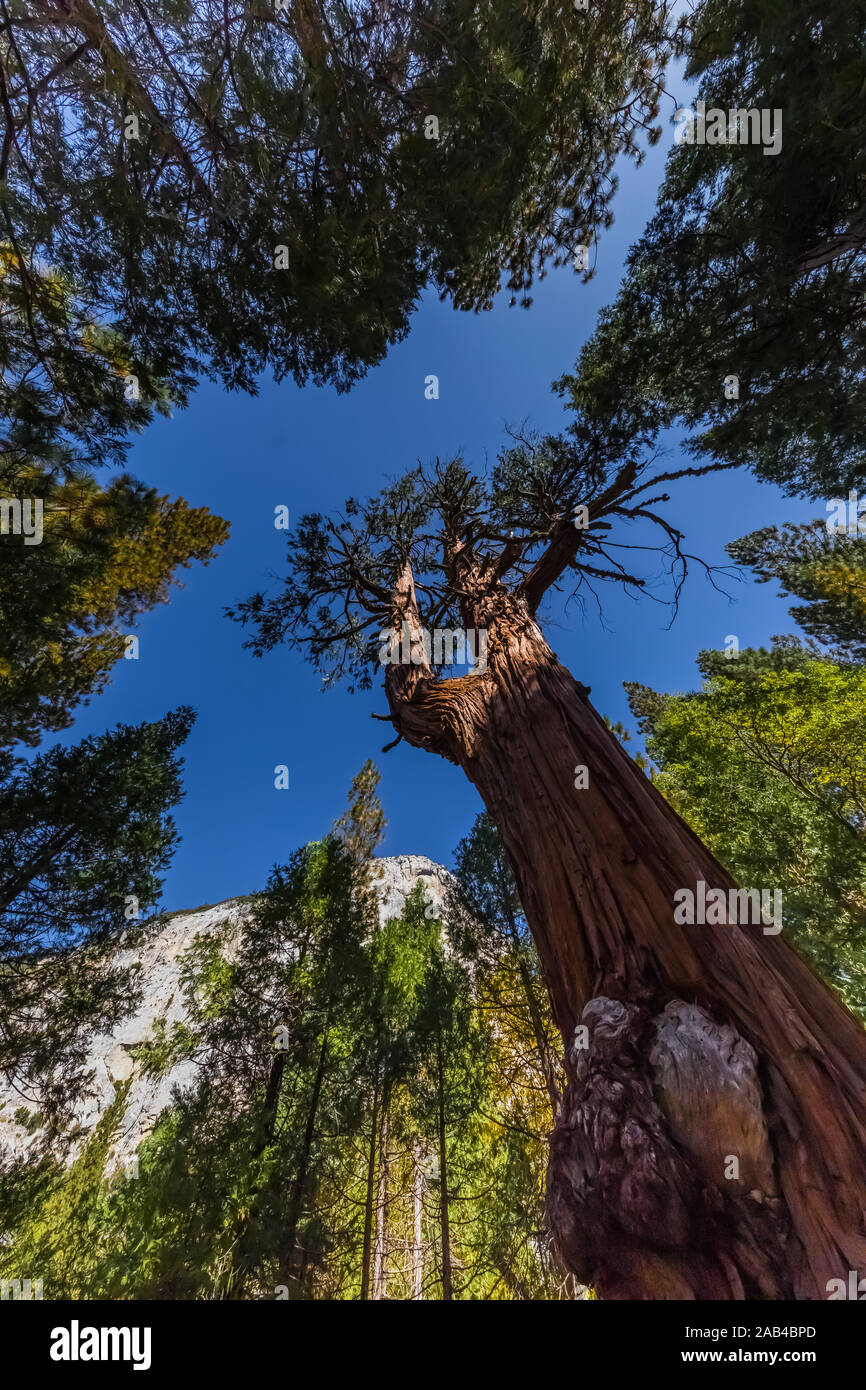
(487, 923)
(742, 311)
(639, 1198)
(827, 569)
(294, 1188)
(274, 186)
(273, 1020)
(85, 833)
(106, 555)
(449, 1083)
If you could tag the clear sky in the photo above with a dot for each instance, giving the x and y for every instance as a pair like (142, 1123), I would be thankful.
(310, 449)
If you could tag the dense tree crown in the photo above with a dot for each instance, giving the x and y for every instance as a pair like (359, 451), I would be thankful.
(444, 548)
(231, 188)
(825, 567)
(754, 265)
(68, 604)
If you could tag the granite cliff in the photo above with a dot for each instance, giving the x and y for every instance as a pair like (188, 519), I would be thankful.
(158, 952)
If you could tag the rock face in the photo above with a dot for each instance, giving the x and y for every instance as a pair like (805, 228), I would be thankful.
(111, 1057)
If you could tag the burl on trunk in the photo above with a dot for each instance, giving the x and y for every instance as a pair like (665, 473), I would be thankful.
(712, 1140)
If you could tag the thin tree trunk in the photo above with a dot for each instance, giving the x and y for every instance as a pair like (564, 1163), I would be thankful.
(703, 1044)
(368, 1205)
(544, 1054)
(418, 1228)
(240, 1263)
(267, 1128)
(380, 1266)
(447, 1290)
(296, 1202)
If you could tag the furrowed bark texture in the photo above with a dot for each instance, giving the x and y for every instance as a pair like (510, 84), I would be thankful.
(700, 1044)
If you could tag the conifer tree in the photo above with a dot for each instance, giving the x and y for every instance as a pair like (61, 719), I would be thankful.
(274, 186)
(648, 1008)
(765, 764)
(106, 555)
(742, 311)
(85, 833)
(827, 569)
(486, 921)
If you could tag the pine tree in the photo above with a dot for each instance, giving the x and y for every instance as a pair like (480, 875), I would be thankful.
(273, 1020)
(85, 833)
(449, 1056)
(825, 568)
(106, 554)
(742, 311)
(275, 187)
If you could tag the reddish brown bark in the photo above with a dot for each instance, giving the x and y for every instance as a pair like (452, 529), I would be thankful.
(705, 1042)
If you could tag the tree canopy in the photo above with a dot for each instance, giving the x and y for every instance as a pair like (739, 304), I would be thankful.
(107, 553)
(754, 264)
(85, 834)
(230, 189)
(443, 548)
(827, 569)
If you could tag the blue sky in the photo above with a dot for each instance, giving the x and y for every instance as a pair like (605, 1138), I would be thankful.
(308, 450)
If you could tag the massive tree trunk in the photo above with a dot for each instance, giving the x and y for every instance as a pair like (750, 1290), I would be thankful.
(712, 1136)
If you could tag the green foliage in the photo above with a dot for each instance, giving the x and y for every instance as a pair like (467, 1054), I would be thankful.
(361, 828)
(475, 543)
(96, 556)
(487, 925)
(107, 554)
(766, 764)
(58, 1234)
(65, 393)
(257, 1182)
(828, 569)
(85, 833)
(303, 128)
(753, 263)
